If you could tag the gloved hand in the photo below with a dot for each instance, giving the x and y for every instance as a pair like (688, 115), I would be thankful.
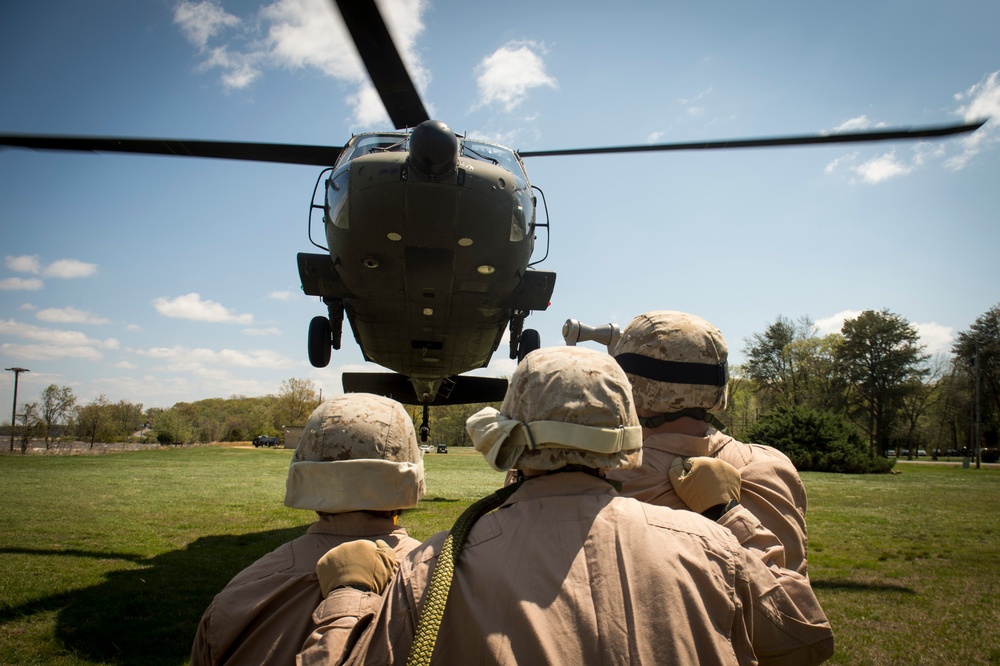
(703, 482)
(358, 563)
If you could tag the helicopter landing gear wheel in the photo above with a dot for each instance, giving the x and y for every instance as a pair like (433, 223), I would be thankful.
(320, 342)
(529, 342)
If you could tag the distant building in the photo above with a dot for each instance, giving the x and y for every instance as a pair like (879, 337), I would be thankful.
(292, 434)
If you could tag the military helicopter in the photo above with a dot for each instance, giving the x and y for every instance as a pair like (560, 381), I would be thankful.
(429, 236)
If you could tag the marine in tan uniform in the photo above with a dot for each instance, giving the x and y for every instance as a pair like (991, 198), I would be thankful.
(677, 363)
(357, 466)
(567, 571)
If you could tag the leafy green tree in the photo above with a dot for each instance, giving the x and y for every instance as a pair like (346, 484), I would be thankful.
(94, 420)
(173, 426)
(816, 441)
(296, 401)
(56, 404)
(881, 358)
(982, 342)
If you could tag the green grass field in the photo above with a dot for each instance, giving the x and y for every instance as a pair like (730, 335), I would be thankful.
(112, 559)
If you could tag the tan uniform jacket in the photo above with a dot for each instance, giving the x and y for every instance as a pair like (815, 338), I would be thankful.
(771, 487)
(569, 572)
(265, 612)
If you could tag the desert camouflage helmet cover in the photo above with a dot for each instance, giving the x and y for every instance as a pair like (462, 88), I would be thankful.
(675, 361)
(358, 452)
(564, 406)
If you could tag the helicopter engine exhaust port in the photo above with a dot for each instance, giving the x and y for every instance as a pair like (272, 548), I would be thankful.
(433, 148)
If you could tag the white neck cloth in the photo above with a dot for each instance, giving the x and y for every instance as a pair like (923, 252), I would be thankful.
(502, 440)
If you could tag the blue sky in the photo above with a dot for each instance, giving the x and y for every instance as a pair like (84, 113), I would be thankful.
(160, 279)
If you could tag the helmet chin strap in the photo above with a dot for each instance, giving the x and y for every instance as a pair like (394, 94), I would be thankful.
(698, 414)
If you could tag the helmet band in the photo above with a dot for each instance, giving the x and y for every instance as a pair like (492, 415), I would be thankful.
(674, 372)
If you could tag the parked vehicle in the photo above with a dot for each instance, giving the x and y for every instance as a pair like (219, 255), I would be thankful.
(263, 440)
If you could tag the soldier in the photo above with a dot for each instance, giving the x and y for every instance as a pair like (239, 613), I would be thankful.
(677, 365)
(357, 465)
(566, 570)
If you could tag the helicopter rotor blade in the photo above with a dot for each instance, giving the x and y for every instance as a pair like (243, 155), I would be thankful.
(229, 150)
(383, 62)
(903, 134)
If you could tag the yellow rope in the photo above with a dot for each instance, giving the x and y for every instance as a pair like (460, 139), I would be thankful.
(437, 592)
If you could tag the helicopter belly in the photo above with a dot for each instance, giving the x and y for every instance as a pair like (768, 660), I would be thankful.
(430, 266)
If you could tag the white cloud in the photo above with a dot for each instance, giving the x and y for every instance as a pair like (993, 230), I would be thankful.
(52, 343)
(21, 284)
(200, 21)
(133, 327)
(70, 315)
(27, 306)
(24, 264)
(980, 102)
(282, 295)
(936, 337)
(511, 72)
(300, 34)
(856, 124)
(263, 331)
(125, 365)
(198, 360)
(835, 322)
(69, 268)
(190, 306)
(882, 168)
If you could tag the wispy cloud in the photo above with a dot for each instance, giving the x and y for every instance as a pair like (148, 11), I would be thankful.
(508, 74)
(49, 343)
(24, 264)
(21, 284)
(282, 295)
(70, 315)
(263, 331)
(69, 269)
(297, 35)
(980, 101)
(197, 360)
(191, 306)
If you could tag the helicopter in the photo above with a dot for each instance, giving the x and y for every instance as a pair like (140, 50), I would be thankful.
(429, 236)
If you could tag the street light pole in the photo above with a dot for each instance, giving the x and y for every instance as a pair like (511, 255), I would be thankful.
(13, 411)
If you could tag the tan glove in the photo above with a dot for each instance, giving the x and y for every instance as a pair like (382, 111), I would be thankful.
(360, 563)
(703, 482)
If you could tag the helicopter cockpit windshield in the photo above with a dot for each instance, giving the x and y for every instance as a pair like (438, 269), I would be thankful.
(489, 152)
(366, 144)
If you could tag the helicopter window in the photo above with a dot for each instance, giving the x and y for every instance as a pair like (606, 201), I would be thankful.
(366, 144)
(488, 152)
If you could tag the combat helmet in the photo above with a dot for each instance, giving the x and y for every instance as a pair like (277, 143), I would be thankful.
(676, 362)
(563, 406)
(358, 453)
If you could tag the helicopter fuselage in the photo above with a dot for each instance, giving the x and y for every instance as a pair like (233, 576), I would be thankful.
(430, 269)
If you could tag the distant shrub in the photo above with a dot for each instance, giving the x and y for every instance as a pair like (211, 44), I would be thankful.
(817, 441)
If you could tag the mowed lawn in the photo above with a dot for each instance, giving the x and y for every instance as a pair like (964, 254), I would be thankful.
(111, 559)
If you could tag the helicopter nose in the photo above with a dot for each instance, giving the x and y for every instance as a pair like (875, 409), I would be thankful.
(433, 148)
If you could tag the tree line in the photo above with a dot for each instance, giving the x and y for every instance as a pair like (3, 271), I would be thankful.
(849, 400)
(846, 401)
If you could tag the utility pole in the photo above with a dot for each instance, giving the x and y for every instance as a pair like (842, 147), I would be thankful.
(978, 451)
(13, 412)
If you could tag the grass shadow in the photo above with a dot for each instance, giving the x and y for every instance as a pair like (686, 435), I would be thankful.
(149, 615)
(857, 586)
